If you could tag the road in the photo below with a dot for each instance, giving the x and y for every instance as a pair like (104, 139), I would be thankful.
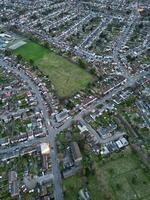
(121, 41)
(52, 132)
(74, 28)
(99, 139)
(87, 42)
(58, 192)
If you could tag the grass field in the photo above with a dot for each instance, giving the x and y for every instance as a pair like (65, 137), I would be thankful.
(68, 78)
(119, 177)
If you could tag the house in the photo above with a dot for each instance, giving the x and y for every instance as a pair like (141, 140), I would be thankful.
(19, 138)
(13, 184)
(104, 132)
(146, 91)
(104, 151)
(82, 127)
(84, 194)
(62, 115)
(94, 114)
(4, 141)
(45, 162)
(122, 142)
(77, 157)
(5, 119)
(45, 151)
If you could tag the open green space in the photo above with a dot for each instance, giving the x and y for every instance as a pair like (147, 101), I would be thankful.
(67, 77)
(120, 176)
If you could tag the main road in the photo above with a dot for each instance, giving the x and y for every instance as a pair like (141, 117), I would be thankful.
(52, 132)
(58, 192)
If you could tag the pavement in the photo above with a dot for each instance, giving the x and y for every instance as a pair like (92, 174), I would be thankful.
(87, 42)
(99, 139)
(52, 132)
(58, 192)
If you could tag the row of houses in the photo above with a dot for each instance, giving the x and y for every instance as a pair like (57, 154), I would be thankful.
(113, 146)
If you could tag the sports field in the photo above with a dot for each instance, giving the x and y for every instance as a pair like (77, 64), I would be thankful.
(68, 78)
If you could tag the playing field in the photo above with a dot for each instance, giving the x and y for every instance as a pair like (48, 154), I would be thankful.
(68, 78)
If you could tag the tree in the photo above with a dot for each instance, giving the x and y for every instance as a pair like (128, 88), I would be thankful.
(118, 186)
(93, 71)
(14, 28)
(69, 105)
(130, 58)
(81, 63)
(102, 35)
(78, 35)
(130, 101)
(83, 28)
(89, 85)
(4, 19)
(7, 52)
(128, 12)
(1, 103)
(31, 62)
(34, 16)
(134, 180)
(19, 57)
(111, 171)
(100, 78)
(140, 25)
(46, 44)
(34, 67)
(108, 7)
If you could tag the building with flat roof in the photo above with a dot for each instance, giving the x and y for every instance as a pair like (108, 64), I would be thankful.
(76, 153)
(45, 148)
(13, 184)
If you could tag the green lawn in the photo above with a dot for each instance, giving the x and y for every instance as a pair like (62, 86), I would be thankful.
(71, 187)
(68, 78)
(119, 177)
